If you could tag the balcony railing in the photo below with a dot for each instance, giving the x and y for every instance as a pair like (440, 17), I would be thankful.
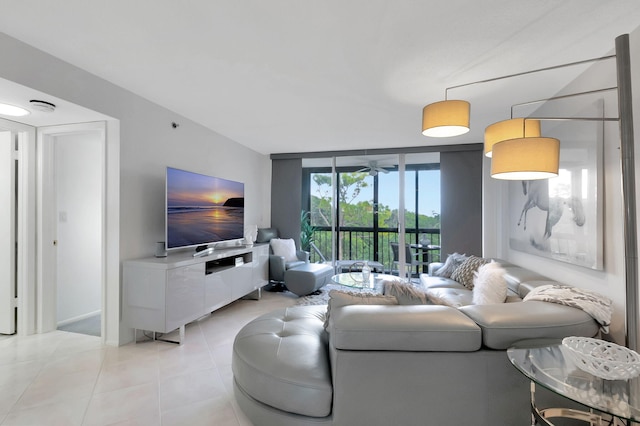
(360, 244)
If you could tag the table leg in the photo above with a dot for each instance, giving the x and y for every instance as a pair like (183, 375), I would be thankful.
(539, 416)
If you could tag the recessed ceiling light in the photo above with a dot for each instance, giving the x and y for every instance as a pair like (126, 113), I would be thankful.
(12, 110)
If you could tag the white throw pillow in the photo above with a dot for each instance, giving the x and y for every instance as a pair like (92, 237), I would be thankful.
(284, 247)
(489, 284)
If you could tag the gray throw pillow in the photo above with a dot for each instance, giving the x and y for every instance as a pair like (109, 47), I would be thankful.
(464, 273)
(453, 261)
(338, 299)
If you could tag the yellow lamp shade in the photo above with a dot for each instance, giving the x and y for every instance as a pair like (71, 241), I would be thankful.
(445, 118)
(509, 129)
(526, 159)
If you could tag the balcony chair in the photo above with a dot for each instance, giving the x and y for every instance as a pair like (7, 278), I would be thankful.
(280, 261)
(412, 259)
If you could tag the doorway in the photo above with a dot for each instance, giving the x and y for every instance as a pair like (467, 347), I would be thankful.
(72, 227)
(17, 228)
(8, 234)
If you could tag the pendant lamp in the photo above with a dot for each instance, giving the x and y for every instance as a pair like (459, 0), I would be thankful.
(446, 118)
(526, 159)
(514, 128)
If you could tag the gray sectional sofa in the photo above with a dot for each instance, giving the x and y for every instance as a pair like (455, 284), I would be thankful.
(398, 364)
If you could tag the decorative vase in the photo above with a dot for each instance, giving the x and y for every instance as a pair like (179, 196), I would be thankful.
(366, 273)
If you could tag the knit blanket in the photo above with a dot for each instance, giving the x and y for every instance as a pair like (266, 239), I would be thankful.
(594, 304)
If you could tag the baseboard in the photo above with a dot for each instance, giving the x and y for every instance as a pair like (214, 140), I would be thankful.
(78, 318)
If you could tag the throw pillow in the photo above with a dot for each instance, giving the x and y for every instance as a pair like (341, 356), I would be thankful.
(406, 294)
(450, 265)
(489, 284)
(284, 247)
(464, 273)
(338, 299)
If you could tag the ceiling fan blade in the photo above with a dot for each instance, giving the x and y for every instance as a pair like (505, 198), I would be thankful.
(383, 170)
(366, 169)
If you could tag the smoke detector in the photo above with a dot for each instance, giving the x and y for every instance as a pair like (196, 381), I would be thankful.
(43, 106)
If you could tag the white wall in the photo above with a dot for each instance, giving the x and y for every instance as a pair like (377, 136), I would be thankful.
(147, 144)
(78, 169)
(610, 281)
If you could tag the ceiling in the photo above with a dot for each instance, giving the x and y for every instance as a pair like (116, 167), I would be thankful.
(299, 76)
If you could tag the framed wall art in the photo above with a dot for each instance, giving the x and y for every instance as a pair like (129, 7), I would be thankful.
(562, 218)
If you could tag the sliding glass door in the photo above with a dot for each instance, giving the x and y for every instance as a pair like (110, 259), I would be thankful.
(354, 205)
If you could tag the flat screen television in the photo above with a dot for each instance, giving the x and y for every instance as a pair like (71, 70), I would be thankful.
(202, 210)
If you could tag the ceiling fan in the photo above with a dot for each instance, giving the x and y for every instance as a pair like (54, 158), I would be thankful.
(373, 169)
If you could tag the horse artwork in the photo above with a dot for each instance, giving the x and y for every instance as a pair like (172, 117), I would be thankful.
(562, 218)
(551, 218)
(537, 193)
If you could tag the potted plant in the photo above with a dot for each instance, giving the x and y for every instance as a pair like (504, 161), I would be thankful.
(306, 231)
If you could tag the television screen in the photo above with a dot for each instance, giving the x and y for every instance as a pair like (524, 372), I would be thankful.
(202, 209)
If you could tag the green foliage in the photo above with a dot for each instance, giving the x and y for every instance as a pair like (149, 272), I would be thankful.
(359, 214)
(306, 230)
(356, 244)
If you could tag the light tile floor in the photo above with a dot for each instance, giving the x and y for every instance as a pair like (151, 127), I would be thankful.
(63, 378)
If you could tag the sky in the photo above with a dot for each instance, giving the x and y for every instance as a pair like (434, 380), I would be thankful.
(193, 189)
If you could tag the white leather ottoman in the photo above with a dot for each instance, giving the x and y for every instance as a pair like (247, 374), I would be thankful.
(280, 360)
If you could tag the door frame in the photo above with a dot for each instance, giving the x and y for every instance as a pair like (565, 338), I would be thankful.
(47, 225)
(25, 225)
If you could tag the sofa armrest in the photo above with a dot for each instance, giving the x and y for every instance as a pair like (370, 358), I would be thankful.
(403, 328)
(433, 267)
(303, 255)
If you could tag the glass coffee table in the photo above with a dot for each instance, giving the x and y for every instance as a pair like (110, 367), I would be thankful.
(354, 280)
(611, 402)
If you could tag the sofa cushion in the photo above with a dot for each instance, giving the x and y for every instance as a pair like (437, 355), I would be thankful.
(516, 276)
(489, 285)
(403, 328)
(506, 323)
(294, 265)
(281, 360)
(464, 273)
(338, 299)
(454, 297)
(435, 282)
(525, 287)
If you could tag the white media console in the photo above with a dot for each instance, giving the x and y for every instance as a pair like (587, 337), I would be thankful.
(162, 295)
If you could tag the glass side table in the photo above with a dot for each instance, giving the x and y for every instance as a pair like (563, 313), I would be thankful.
(611, 402)
(353, 280)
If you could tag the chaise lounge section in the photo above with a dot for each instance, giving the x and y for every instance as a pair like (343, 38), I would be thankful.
(397, 364)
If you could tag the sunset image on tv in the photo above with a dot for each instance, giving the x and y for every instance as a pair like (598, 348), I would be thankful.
(202, 209)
